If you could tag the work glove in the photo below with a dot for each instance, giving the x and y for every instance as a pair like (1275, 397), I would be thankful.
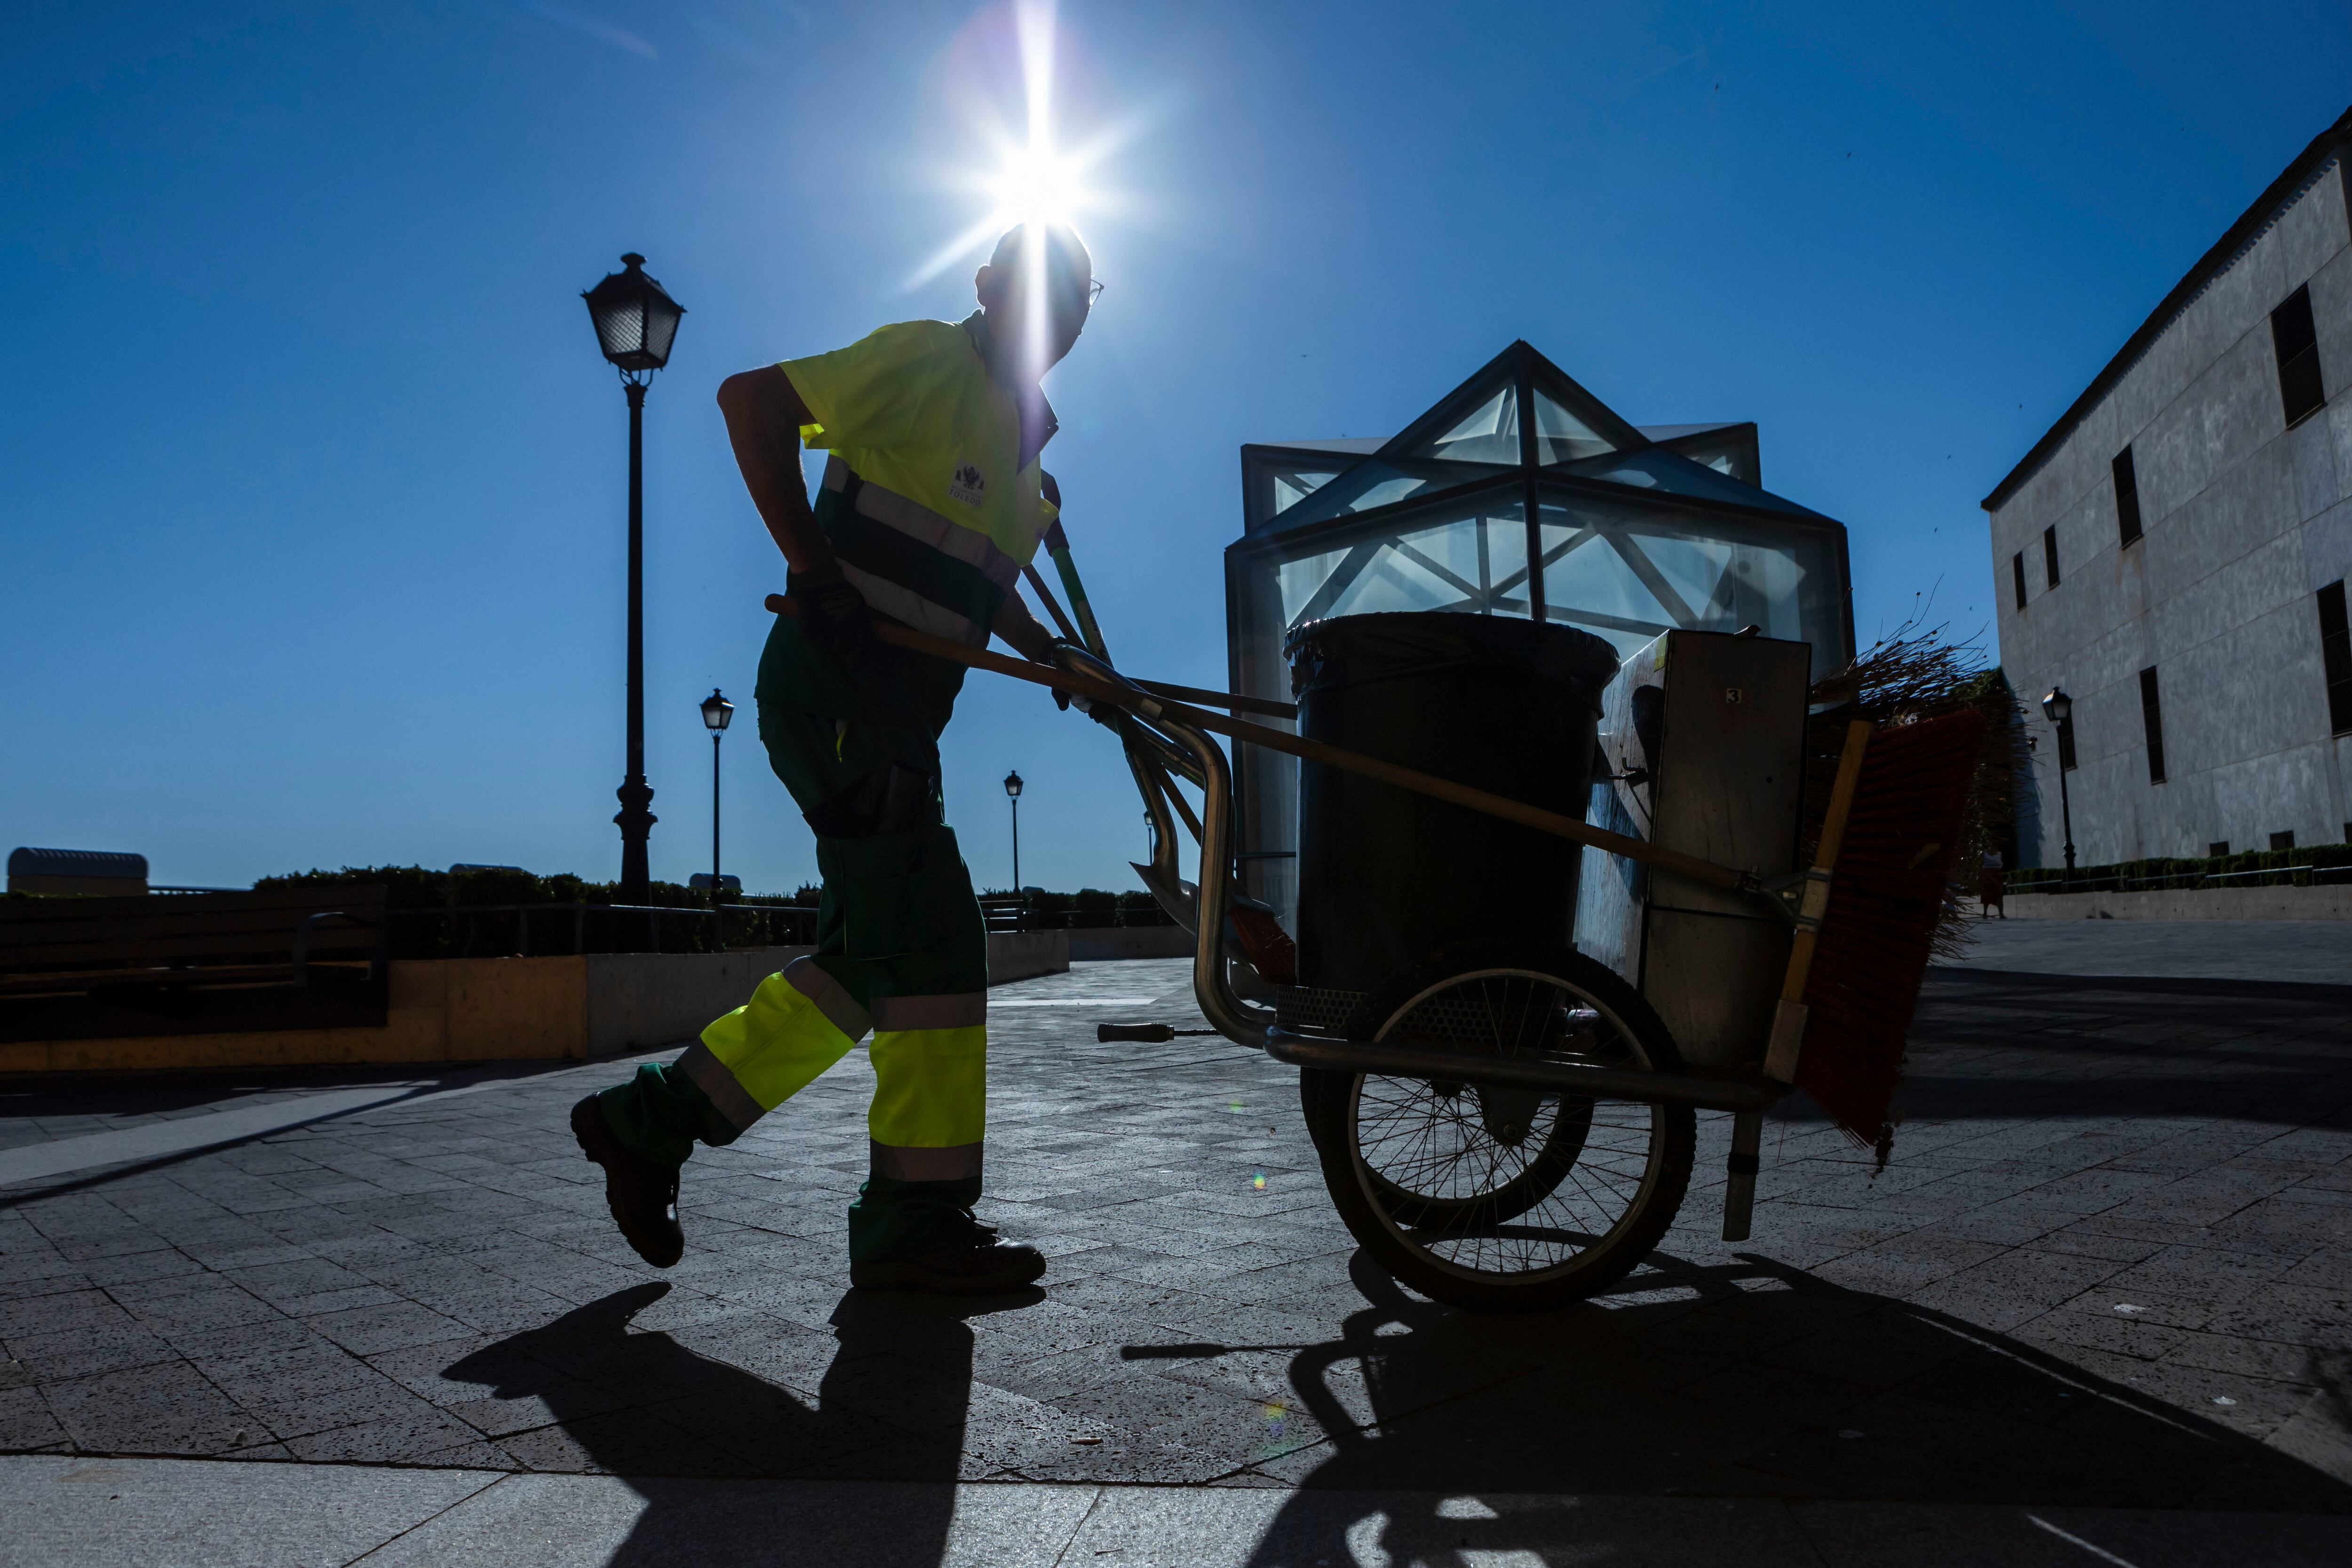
(1106, 714)
(834, 616)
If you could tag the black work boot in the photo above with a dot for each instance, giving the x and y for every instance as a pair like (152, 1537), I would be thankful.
(962, 1258)
(641, 1194)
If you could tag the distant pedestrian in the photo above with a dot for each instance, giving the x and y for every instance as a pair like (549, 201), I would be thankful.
(1993, 879)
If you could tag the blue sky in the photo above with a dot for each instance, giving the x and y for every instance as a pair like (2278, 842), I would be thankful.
(312, 543)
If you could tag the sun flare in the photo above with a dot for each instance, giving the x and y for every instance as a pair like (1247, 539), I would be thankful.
(1036, 186)
(1028, 174)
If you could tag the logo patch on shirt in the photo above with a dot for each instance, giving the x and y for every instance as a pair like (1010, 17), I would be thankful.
(968, 484)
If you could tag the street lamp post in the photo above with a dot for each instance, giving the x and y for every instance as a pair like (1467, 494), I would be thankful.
(1013, 793)
(636, 324)
(716, 712)
(2060, 708)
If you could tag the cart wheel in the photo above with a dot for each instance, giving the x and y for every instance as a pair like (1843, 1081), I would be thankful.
(1501, 1199)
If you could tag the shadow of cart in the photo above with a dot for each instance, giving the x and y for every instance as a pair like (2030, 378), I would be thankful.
(1745, 1380)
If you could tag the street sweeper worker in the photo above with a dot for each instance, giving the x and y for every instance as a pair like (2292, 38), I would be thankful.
(933, 500)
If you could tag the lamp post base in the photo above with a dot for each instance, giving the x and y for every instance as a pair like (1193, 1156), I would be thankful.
(637, 825)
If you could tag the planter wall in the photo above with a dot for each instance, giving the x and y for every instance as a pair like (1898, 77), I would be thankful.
(2326, 904)
(504, 1009)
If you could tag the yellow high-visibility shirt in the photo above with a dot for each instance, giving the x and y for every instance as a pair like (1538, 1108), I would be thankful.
(911, 412)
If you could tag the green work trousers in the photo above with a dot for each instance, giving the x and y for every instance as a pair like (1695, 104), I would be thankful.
(902, 953)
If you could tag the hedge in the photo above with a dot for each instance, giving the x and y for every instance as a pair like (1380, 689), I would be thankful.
(747, 921)
(750, 922)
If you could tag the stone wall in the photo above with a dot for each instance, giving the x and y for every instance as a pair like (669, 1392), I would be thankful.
(1130, 942)
(2244, 521)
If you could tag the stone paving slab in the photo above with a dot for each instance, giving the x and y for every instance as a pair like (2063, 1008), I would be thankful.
(2108, 1269)
(137, 1513)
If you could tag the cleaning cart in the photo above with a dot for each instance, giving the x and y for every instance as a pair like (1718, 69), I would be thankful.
(1551, 905)
(1505, 1026)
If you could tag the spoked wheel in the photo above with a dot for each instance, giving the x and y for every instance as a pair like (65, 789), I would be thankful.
(1495, 1198)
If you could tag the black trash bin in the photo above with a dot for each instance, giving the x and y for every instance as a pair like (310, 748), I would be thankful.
(1387, 877)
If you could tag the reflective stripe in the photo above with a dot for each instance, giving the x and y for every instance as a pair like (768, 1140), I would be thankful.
(928, 1164)
(832, 998)
(920, 523)
(776, 1044)
(906, 605)
(726, 1097)
(958, 1011)
(930, 1088)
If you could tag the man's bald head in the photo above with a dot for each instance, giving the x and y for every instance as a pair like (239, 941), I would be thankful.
(1037, 288)
(1054, 248)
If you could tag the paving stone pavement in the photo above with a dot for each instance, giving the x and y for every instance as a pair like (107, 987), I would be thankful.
(2108, 1268)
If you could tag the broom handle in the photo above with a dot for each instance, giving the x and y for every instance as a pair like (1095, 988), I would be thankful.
(1239, 704)
(1045, 596)
(1299, 746)
(1234, 700)
(1789, 1018)
(1057, 545)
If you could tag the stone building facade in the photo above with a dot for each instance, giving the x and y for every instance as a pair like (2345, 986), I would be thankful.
(2173, 554)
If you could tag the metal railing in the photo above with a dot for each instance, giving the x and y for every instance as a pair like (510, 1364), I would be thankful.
(2168, 881)
(1006, 912)
(621, 928)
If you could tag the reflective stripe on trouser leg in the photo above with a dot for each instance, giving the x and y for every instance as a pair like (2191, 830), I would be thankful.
(796, 1025)
(930, 1117)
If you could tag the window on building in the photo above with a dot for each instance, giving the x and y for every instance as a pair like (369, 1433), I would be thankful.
(2218, 849)
(2050, 556)
(2282, 840)
(2017, 569)
(2298, 345)
(2335, 657)
(2126, 496)
(2151, 713)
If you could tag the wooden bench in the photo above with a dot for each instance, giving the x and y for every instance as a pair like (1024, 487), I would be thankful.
(191, 963)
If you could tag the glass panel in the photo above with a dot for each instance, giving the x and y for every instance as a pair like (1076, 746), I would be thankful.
(1561, 436)
(1628, 573)
(1654, 468)
(1474, 561)
(1490, 434)
(1292, 488)
(1374, 483)
(1728, 449)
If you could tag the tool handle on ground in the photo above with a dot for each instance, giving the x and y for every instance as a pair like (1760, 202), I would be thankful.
(1789, 1017)
(1148, 1034)
(1299, 746)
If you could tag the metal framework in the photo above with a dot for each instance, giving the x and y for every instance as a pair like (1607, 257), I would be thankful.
(1518, 493)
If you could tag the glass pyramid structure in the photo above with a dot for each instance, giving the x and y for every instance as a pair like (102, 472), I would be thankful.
(1518, 493)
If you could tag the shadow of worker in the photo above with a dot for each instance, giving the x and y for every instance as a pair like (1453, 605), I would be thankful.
(698, 1430)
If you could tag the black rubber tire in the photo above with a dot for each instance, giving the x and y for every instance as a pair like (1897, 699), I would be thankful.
(1398, 1227)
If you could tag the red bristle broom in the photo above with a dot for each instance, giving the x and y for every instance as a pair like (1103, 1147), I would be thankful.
(1855, 971)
